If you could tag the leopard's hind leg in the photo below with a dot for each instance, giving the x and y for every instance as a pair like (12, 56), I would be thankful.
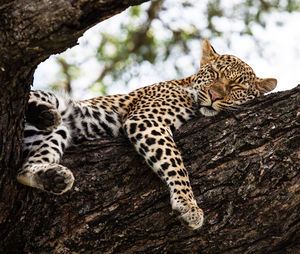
(45, 139)
(42, 153)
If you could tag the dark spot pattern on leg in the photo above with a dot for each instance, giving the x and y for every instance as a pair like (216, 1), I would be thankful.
(171, 173)
(132, 128)
(165, 166)
(150, 141)
(142, 127)
(155, 133)
(158, 153)
(62, 133)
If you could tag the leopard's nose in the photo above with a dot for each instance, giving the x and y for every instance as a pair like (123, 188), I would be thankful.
(213, 96)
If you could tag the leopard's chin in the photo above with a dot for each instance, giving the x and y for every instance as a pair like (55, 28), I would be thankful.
(208, 111)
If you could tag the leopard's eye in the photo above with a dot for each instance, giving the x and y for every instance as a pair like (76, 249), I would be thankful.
(240, 81)
(241, 86)
(235, 86)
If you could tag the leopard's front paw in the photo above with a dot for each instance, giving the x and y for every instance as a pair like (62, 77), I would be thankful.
(52, 178)
(193, 217)
(42, 115)
(190, 213)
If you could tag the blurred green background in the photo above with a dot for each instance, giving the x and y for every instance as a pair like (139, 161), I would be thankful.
(161, 40)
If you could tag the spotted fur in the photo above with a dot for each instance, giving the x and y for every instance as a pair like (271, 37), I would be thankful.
(147, 117)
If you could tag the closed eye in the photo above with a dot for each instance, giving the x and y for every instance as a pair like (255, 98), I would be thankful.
(236, 86)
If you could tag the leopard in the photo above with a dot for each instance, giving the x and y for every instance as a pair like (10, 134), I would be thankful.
(147, 117)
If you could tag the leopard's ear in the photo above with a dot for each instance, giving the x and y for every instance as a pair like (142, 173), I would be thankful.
(208, 53)
(266, 85)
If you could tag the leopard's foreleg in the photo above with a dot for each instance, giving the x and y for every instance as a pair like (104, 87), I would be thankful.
(155, 143)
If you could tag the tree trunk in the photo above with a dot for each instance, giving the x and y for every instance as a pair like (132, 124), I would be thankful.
(30, 31)
(244, 170)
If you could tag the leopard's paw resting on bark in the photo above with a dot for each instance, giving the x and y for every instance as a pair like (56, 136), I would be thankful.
(189, 211)
(53, 178)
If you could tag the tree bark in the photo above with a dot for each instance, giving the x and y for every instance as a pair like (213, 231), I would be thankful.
(244, 170)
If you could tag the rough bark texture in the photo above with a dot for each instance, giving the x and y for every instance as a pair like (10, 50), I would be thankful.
(244, 169)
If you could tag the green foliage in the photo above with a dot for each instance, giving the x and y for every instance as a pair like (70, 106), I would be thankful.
(146, 35)
(67, 73)
(98, 87)
(134, 44)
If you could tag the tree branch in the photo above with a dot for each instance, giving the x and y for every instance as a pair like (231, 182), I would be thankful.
(244, 170)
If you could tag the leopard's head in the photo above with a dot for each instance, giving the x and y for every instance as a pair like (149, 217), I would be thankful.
(224, 81)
